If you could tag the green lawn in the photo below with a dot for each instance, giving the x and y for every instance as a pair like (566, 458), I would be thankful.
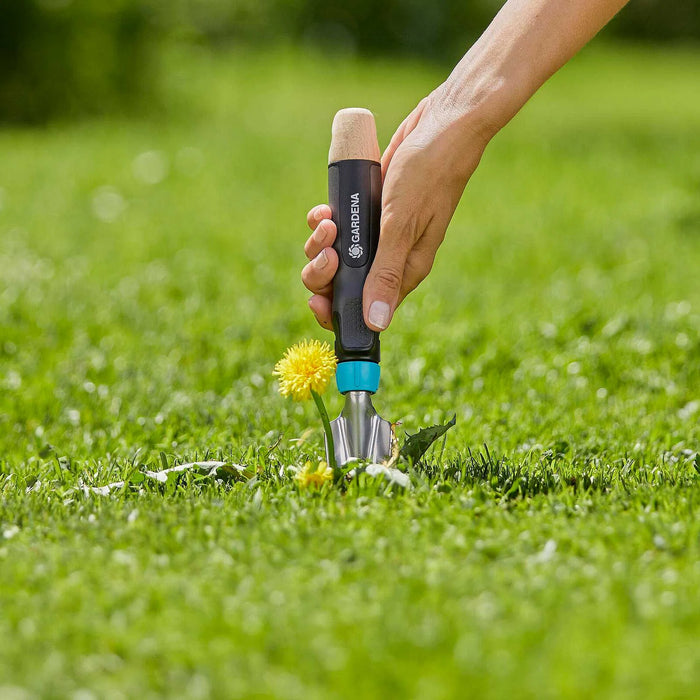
(551, 550)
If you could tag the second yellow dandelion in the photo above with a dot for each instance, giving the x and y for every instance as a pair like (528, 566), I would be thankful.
(308, 476)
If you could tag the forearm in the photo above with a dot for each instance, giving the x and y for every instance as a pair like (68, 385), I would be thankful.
(524, 45)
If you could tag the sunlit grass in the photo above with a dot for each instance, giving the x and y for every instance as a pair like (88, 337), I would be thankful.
(150, 281)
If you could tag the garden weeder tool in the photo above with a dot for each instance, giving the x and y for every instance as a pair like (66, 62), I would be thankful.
(355, 197)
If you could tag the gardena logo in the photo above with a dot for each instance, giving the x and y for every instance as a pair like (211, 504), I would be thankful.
(355, 251)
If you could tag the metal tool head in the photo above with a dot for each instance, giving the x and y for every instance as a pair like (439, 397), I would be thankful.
(358, 432)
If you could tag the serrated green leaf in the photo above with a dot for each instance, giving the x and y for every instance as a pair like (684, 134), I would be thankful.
(415, 446)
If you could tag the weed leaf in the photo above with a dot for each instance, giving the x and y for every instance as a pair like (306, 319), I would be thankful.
(415, 446)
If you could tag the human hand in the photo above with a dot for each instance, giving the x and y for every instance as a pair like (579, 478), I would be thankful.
(437, 147)
(425, 169)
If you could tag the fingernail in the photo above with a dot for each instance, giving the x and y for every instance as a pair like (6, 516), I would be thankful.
(379, 314)
(321, 260)
(320, 234)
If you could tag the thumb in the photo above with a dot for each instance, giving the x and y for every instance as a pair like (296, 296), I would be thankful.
(383, 284)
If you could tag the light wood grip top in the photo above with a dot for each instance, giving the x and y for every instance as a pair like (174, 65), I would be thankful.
(354, 135)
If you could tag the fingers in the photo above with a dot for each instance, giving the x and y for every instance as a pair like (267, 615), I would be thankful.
(321, 308)
(322, 237)
(318, 274)
(317, 214)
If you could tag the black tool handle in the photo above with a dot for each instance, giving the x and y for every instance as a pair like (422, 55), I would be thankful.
(355, 197)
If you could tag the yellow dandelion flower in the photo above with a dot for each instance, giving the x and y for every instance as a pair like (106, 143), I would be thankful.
(306, 366)
(308, 476)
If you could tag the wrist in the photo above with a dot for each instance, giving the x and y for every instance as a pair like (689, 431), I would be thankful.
(494, 79)
(471, 106)
(484, 92)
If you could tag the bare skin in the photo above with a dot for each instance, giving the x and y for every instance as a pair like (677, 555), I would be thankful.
(438, 146)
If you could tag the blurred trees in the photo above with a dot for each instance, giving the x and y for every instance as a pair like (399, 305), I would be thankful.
(64, 58)
(440, 29)
(70, 57)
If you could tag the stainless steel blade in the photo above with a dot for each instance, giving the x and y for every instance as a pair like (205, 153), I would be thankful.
(358, 432)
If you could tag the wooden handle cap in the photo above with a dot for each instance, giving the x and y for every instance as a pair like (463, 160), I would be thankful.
(354, 136)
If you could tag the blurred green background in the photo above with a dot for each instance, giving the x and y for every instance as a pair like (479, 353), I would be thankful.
(63, 58)
(157, 160)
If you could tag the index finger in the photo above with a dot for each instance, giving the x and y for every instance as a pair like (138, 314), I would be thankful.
(317, 214)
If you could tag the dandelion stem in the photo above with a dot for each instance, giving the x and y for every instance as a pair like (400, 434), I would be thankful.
(327, 429)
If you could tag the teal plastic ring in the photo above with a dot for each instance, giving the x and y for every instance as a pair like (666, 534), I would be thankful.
(357, 375)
